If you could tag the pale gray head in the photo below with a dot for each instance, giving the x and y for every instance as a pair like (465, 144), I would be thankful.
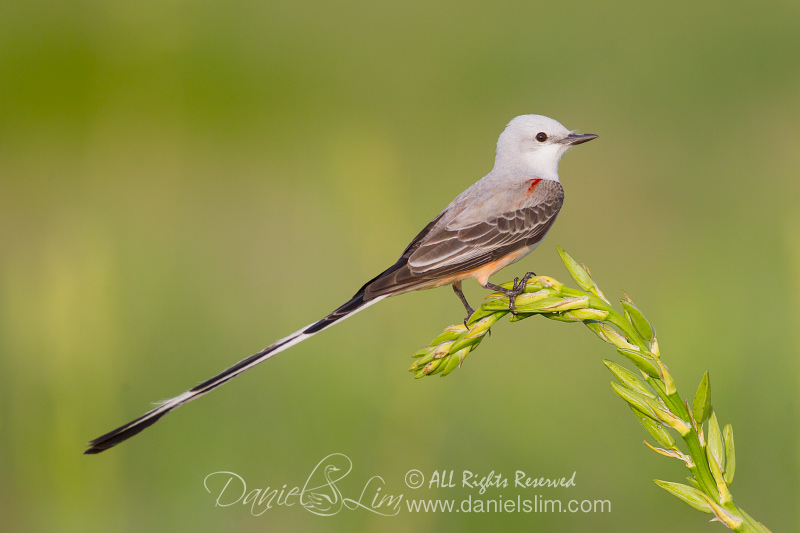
(535, 144)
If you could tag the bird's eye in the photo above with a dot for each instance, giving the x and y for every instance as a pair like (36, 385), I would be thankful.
(541, 136)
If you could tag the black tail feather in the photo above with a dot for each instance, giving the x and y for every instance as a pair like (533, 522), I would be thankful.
(112, 438)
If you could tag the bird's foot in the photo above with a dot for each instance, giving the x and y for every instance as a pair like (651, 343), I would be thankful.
(519, 288)
(470, 312)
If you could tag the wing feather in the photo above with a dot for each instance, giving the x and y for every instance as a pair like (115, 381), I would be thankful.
(451, 245)
(447, 250)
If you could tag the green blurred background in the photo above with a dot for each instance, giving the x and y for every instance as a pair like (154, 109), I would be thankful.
(185, 182)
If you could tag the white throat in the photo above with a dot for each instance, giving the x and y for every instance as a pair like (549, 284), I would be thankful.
(541, 162)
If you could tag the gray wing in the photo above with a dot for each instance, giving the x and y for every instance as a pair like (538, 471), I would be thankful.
(448, 248)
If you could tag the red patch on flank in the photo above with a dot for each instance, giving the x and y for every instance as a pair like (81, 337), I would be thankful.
(533, 184)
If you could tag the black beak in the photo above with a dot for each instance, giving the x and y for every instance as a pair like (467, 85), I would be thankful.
(578, 138)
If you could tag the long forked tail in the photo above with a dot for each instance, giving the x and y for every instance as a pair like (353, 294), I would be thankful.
(112, 438)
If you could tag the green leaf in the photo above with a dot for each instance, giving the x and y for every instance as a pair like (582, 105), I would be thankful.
(655, 429)
(431, 367)
(716, 472)
(627, 378)
(701, 407)
(728, 518)
(642, 363)
(528, 298)
(467, 341)
(638, 321)
(554, 304)
(578, 273)
(666, 379)
(668, 417)
(451, 363)
(610, 335)
(693, 482)
(449, 334)
(715, 443)
(589, 314)
(688, 494)
(423, 351)
(564, 316)
(634, 399)
(419, 363)
(516, 317)
(658, 385)
(730, 455)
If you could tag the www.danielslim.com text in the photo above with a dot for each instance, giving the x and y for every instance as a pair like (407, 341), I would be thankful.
(511, 505)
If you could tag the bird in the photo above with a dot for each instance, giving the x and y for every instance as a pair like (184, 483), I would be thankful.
(495, 222)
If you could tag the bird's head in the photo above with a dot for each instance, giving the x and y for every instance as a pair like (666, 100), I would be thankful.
(536, 143)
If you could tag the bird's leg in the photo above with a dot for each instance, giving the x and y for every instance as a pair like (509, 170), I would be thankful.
(519, 288)
(460, 294)
(524, 281)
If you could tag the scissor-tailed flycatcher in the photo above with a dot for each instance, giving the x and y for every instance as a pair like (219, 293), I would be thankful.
(497, 221)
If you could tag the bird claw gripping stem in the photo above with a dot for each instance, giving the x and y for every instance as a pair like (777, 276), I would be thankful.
(512, 293)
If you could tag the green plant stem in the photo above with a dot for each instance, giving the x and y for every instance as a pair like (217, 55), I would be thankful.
(636, 339)
(701, 470)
